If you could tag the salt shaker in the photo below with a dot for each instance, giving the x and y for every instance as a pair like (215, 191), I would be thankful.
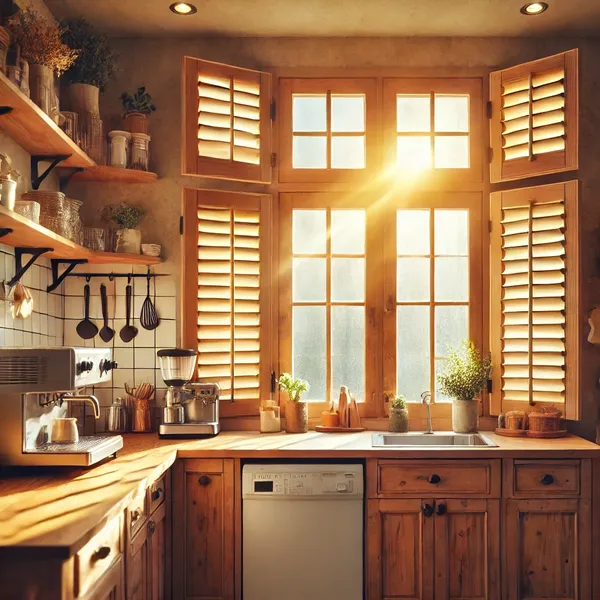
(117, 420)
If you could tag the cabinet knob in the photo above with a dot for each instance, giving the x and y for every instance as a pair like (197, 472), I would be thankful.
(427, 509)
(547, 479)
(204, 480)
(435, 478)
(151, 527)
(440, 509)
(100, 554)
(156, 494)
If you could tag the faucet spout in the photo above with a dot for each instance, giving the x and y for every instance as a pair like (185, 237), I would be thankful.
(426, 400)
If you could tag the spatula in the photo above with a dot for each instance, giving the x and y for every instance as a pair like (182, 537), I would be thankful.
(106, 333)
(129, 331)
(148, 317)
(86, 329)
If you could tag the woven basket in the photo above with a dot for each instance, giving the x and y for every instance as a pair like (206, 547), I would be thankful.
(546, 420)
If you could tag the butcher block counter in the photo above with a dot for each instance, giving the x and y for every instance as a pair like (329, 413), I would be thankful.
(56, 511)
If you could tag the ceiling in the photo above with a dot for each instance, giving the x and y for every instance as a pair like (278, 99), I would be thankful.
(300, 18)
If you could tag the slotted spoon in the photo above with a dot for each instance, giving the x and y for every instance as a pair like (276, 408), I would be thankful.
(148, 317)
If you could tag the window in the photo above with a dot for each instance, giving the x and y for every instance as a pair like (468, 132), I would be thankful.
(227, 126)
(327, 125)
(433, 127)
(227, 294)
(535, 298)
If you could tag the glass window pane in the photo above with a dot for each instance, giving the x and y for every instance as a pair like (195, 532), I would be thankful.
(412, 280)
(413, 113)
(309, 113)
(412, 232)
(412, 356)
(347, 113)
(413, 152)
(452, 152)
(347, 231)
(309, 152)
(452, 279)
(348, 350)
(347, 279)
(308, 280)
(309, 343)
(309, 232)
(451, 232)
(348, 152)
(451, 328)
(451, 113)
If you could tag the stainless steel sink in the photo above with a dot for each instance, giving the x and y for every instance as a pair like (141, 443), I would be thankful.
(442, 439)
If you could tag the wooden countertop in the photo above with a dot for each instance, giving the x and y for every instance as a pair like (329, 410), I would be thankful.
(54, 512)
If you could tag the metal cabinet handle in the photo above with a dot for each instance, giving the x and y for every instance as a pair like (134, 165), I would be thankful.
(151, 527)
(547, 479)
(156, 494)
(204, 480)
(427, 509)
(435, 478)
(100, 554)
(135, 515)
(440, 509)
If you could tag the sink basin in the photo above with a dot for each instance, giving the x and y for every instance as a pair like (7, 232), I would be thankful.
(442, 439)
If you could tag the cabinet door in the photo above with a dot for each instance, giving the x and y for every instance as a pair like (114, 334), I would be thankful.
(467, 549)
(159, 542)
(547, 549)
(400, 549)
(110, 586)
(138, 580)
(203, 529)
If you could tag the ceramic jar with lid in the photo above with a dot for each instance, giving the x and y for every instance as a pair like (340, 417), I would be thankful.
(8, 183)
(140, 150)
(119, 147)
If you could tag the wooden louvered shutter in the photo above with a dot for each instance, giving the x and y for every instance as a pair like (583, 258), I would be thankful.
(535, 298)
(227, 122)
(227, 293)
(534, 122)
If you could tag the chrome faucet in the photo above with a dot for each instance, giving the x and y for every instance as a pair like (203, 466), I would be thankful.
(426, 400)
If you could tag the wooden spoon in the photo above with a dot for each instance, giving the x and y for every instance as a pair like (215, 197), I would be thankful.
(129, 331)
(86, 329)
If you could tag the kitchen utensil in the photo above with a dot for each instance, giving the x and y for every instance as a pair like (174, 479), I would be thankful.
(116, 420)
(64, 431)
(129, 331)
(86, 329)
(142, 416)
(148, 317)
(106, 333)
(21, 301)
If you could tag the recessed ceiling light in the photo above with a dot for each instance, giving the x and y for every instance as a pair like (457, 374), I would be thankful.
(534, 8)
(183, 8)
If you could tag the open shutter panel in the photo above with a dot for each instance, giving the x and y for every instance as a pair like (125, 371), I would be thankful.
(227, 127)
(534, 298)
(534, 127)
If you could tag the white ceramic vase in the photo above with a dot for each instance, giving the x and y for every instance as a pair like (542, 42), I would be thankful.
(43, 91)
(465, 414)
(83, 98)
(129, 241)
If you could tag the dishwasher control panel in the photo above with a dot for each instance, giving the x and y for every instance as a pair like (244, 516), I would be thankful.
(302, 480)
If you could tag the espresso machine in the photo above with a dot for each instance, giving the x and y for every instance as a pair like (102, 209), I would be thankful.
(36, 387)
(191, 409)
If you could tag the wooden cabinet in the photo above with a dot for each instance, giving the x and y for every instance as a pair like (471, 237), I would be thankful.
(203, 529)
(110, 587)
(138, 555)
(160, 547)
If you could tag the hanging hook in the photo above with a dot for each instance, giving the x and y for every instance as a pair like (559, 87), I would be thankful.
(88, 279)
(111, 277)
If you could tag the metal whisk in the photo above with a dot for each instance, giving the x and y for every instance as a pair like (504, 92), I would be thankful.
(148, 317)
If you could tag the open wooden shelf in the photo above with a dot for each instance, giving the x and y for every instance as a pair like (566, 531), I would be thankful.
(106, 174)
(34, 130)
(26, 234)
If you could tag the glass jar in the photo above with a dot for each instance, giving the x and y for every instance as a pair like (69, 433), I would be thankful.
(119, 146)
(94, 238)
(4, 44)
(398, 419)
(140, 150)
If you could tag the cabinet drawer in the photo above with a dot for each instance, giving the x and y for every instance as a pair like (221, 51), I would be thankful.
(396, 478)
(538, 478)
(96, 557)
(156, 493)
(137, 514)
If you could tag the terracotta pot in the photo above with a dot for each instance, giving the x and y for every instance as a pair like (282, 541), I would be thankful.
(83, 98)
(136, 122)
(465, 414)
(43, 92)
(296, 417)
(398, 420)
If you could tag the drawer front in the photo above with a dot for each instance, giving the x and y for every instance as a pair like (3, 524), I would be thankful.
(97, 556)
(156, 493)
(479, 478)
(137, 514)
(532, 479)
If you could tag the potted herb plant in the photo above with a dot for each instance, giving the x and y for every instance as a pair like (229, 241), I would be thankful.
(136, 108)
(39, 40)
(126, 217)
(296, 411)
(398, 412)
(463, 378)
(93, 68)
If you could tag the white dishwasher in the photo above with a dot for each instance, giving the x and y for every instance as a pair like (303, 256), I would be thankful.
(302, 531)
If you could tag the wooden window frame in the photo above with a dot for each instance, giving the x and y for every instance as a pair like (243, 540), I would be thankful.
(202, 166)
(326, 86)
(471, 201)
(567, 191)
(436, 177)
(192, 199)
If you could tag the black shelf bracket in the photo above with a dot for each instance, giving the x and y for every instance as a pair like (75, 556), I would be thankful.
(5, 231)
(4, 110)
(57, 278)
(36, 178)
(65, 179)
(21, 268)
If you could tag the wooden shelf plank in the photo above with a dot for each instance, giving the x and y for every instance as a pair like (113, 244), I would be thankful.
(34, 130)
(27, 234)
(107, 174)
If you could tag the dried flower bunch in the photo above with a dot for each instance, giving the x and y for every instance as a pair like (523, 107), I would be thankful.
(40, 40)
(465, 374)
(126, 216)
(294, 387)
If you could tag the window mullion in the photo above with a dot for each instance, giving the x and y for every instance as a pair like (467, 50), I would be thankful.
(432, 130)
(329, 374)
(328, 117)
(432, 304)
